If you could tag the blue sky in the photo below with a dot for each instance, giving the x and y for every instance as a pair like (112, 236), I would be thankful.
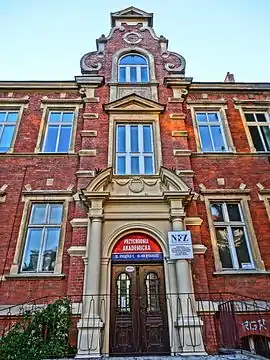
(45, 39)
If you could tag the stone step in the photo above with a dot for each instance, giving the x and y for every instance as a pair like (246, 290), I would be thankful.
(237, 355)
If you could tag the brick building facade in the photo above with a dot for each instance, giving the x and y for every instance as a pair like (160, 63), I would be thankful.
(95, 172)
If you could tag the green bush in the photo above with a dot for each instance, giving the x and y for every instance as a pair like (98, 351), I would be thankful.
(39, 335)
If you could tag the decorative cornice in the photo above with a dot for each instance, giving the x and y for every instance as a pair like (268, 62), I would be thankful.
(47, 193)
(71, 85)
(206, 102)
(46, 100)
(180, 133)
(229, 86)
(13, 100)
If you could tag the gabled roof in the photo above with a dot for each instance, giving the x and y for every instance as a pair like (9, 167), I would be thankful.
(132, 12)
(134, 102)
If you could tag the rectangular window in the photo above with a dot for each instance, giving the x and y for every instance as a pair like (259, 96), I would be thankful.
(42, 238)
(58, 132)
(134, 149)
(8, 120)
(231, 236)
(259, 128)
(211, 131)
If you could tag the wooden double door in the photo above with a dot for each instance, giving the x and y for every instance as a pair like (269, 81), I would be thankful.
(138, 323)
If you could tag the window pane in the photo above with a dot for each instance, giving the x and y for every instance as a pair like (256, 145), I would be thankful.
(2, 116)
(266, 136)
(51, 139)
(218, 138)
(147, 143)
(201, 117)
(205, 138)
(135, 169)
(257, 142)
(144, 74)
(55, 215)
(261, 117)
(217, 213)
(133, 60)
(134, 139)
(241, 246)
(133, 74)
(32, 250)
(38, 214)
(121, 165)
(223, 248)
(64, 140)
(55, 117)
(6, 137)
(213, 117)
(250, 117)
(121, 139)
(67, 117)
(122, 74)
(12, 116)
(233, 212)
(49, 256)
(148, 165)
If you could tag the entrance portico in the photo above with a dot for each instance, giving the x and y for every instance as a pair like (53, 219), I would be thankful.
(121, 205)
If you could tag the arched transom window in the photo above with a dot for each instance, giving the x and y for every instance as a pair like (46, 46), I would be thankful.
(133, 68)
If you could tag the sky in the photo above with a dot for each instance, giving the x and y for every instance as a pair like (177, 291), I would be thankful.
(45, 39)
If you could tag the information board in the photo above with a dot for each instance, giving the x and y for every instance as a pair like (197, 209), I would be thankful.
(180, 245)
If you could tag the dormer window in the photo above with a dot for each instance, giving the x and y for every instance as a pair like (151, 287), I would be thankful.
(133, 68)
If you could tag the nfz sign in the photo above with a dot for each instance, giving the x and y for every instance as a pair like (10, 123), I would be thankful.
(180, 245)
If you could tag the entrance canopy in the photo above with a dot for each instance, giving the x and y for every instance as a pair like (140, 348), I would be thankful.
(136, 247)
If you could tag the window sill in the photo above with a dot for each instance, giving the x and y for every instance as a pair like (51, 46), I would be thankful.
(34, 276)
(241, 272)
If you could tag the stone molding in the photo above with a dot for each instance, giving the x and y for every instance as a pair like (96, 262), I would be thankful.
(180, 116)
(181, 152)
(90, 115)
(92, 152)
(79, 222)
(193, 221)
(77, 251)
(85, 173)
(87, 133)
(180, 133)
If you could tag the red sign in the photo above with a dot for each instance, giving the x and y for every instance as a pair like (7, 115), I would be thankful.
(137, 246)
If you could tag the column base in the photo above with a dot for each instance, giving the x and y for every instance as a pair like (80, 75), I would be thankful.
(189, 333)
(89, 338)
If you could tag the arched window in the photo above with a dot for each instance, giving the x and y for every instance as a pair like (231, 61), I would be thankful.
(133, 68)
(152, 292)
(123, 292)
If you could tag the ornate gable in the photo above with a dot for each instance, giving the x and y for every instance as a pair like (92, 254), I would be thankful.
(133, 103)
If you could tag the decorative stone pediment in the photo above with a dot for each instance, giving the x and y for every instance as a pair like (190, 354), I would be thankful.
(134, 102)
(164, 185)
(131, 13)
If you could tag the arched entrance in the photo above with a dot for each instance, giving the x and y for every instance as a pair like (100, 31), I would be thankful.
(139, 323)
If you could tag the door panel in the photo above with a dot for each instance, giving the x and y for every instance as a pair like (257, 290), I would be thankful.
(138, 310)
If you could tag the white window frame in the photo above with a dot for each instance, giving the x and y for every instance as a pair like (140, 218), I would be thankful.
(140, 154)
(209, 125)
(228, 224)
(59, 124)
(258, 124)
(138, 69)
(43, 239)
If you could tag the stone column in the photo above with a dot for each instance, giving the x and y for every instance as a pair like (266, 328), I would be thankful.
(188, 324)
(90, 325)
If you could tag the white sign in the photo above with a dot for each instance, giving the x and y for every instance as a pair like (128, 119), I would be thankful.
(130, 268)
(180, 245)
